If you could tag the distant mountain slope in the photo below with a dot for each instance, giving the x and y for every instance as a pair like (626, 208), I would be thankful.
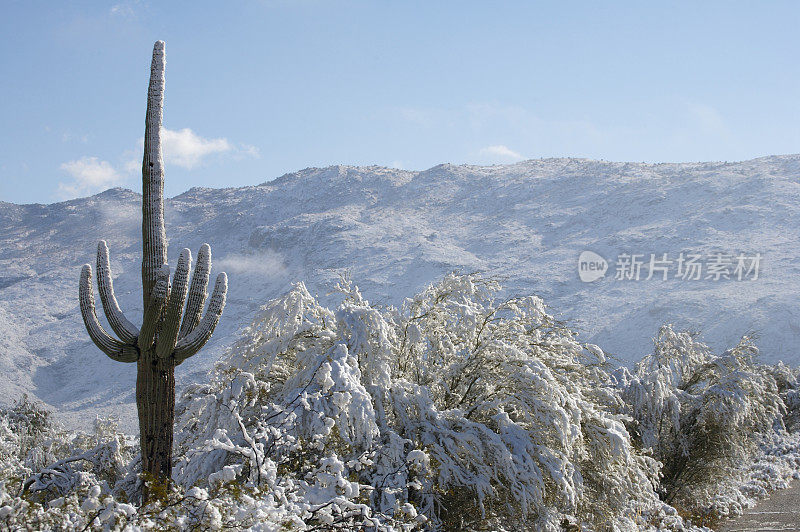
(396, 231)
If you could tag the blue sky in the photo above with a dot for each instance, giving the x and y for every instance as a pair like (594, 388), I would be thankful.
(256, 89)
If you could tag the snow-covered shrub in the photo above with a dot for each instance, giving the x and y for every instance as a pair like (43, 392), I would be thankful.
(289, 415)
(26, 438)
(788, 381)
(48, 475)
(455, 411)
(458, 410)
(703, 416)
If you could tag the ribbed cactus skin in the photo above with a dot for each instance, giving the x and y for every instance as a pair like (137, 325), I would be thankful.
(153, 233)
(173, 326)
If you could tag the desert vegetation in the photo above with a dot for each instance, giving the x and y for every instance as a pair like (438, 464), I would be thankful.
(460, 410)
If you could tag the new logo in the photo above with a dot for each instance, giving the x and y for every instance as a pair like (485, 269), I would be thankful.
(591, 266)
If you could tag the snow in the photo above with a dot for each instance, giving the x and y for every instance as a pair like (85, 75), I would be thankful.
(394, 232)
(457, 409)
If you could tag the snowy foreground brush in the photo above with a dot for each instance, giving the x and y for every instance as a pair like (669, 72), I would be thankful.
(457, 411)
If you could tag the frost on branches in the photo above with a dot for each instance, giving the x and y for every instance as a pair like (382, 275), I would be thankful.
(459, 410)
(455, 411)
(706, 417)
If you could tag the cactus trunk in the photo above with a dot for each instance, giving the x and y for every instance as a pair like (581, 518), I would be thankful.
(169, 334)
(155, 401)
(155, 377)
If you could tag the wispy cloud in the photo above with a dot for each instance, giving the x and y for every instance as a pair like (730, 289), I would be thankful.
(132, 165)
(265, 264)
(122, 9)
(186, 149)
(681, 130)
(500, 152)
(245, 151)
(89, 175)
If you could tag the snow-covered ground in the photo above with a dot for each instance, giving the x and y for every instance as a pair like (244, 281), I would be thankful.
(396, 231)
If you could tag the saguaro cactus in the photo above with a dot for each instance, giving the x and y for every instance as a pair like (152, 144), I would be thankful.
(164, 341)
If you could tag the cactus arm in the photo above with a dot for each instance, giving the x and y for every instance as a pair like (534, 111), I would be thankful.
(112, 347)
(154, 242)
(124, 329)
(155, 306)
(172, 314)
(192, 343)
(197, 291)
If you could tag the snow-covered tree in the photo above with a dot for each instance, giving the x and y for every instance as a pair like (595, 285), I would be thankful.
(459, 410)
(702, 415)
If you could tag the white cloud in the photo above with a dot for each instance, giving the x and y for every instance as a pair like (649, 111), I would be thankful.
(186, 149)
(501, 152)
(89, 175)
(183, 148)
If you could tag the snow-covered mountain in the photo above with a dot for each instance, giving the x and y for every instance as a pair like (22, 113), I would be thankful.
(395, 231)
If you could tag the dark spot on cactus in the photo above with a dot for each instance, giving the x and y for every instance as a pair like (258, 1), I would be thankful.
(151, 165)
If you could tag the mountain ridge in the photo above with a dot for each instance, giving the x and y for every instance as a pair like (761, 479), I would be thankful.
(395, 231)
